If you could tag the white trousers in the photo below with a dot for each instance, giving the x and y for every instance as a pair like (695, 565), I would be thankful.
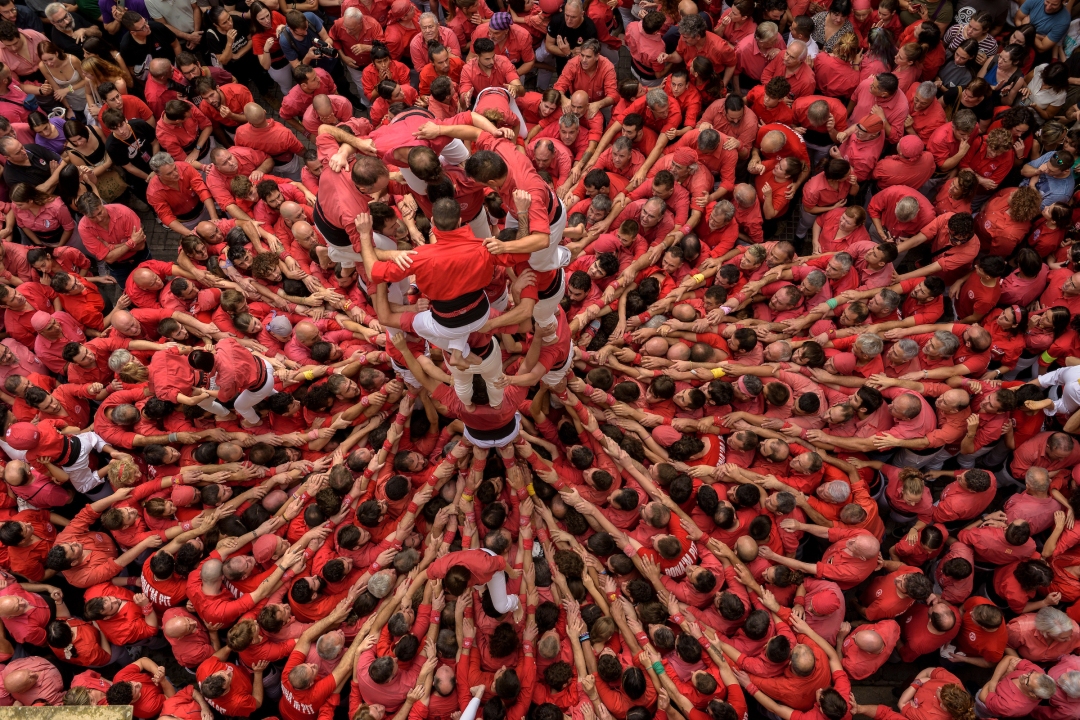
(344, 254)
(555, 375)
(490, 369)
(291, 169)
(82, 477)
(502, 442)
(283, 77)
(444, 338)
(247, 400)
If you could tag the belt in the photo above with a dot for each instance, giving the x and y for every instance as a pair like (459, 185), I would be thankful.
(460, 311)
(260, 375)
(641, 70)
(70, 453)
(330, 232)
(497, 433)
(485, 353)
(553, 289)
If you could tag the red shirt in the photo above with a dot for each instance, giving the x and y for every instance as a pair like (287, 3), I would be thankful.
(304, 704)
(274, 139)
(860, 664)
(100, 242)
(840, 567)
(179, 140)
(169, 202)
(133, 109)
(370, 30)
(238, 700)
(882, 600)
(998, 233)
(296, 102)
(473, 79)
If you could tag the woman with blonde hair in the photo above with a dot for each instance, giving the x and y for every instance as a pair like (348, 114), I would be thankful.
(42, 217)
(837, 70)
(98, 70)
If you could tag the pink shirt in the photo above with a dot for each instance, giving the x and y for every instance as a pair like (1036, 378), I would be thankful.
(1033, 645)
(25, 361)
(30, 626)
(751, 61)
(49, 351)
(895, 108)
(341, 108)
(54, 216)
(1007, 700)
(190, 650)
(1060, 706)
(418, 49)
(1039, 512)
(49, 686)
(16, 62)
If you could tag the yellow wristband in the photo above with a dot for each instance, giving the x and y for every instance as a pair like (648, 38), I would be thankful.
(718, 373)
(309, 375)
(531, 489)
(1048, 359)
(466, 497)
(700, 277)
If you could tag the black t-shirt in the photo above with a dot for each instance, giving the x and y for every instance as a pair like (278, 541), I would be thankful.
(138, 55)
(66, 42)
(136, 150)
(36, 173)
(27, 19)
(215, 42)
(983, 111)
(576, 37)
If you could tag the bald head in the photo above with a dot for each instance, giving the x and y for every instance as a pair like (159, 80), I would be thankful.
(306, 332)
(745, 194)
(773, 142)
(211, 571)
(160, 68)
(869, 641)
(302, 231)
(146, 279)
(19, 681)
(176, 628)
(125, 323)
(255, 115)
(322, 105)
(291, 210)
(205, 229)
(746, 548)
(864, 547)
(580, 96)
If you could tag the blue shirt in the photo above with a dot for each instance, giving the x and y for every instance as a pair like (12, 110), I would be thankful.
(1053, 189)
(1053, 26)
(295, 49)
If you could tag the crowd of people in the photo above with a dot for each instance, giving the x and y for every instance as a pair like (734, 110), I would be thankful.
(481, 383)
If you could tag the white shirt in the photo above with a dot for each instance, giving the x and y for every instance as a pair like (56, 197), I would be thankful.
(1068, 378)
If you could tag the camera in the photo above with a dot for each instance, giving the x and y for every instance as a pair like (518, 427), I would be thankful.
(321, 49)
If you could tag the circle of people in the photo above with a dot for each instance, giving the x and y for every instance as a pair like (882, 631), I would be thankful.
(463, 399)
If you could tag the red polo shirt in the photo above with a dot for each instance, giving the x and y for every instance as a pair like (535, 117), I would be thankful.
(169, 202)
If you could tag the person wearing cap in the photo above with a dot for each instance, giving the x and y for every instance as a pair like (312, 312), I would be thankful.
(511, 41)
(1051, 174)
(862, 146)
(880, 94)
(401, 28)
(912, 165)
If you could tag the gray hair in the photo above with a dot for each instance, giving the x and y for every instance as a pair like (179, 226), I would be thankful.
(622, 143)
(53, 8)
(1037, 479)
(5, 143)
(1052, 622)
(724, 209)
(654, 199)
(570, 120)
(354, 13)
(907, 209)
(927, 90)
(88, 203)
(950, 341)
(381, 583)
(657, 97)
(591, 44)
(119, 359)
(909, 347)
(602, 203)
(800, 43)
(890, 298)
(766, 31)
(1069, 683)
(424, 16)
(869, 344)
(329, 646)
(816, 278)
(574, 3)
(1043, 686)
(844, 259)
(160, 160)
